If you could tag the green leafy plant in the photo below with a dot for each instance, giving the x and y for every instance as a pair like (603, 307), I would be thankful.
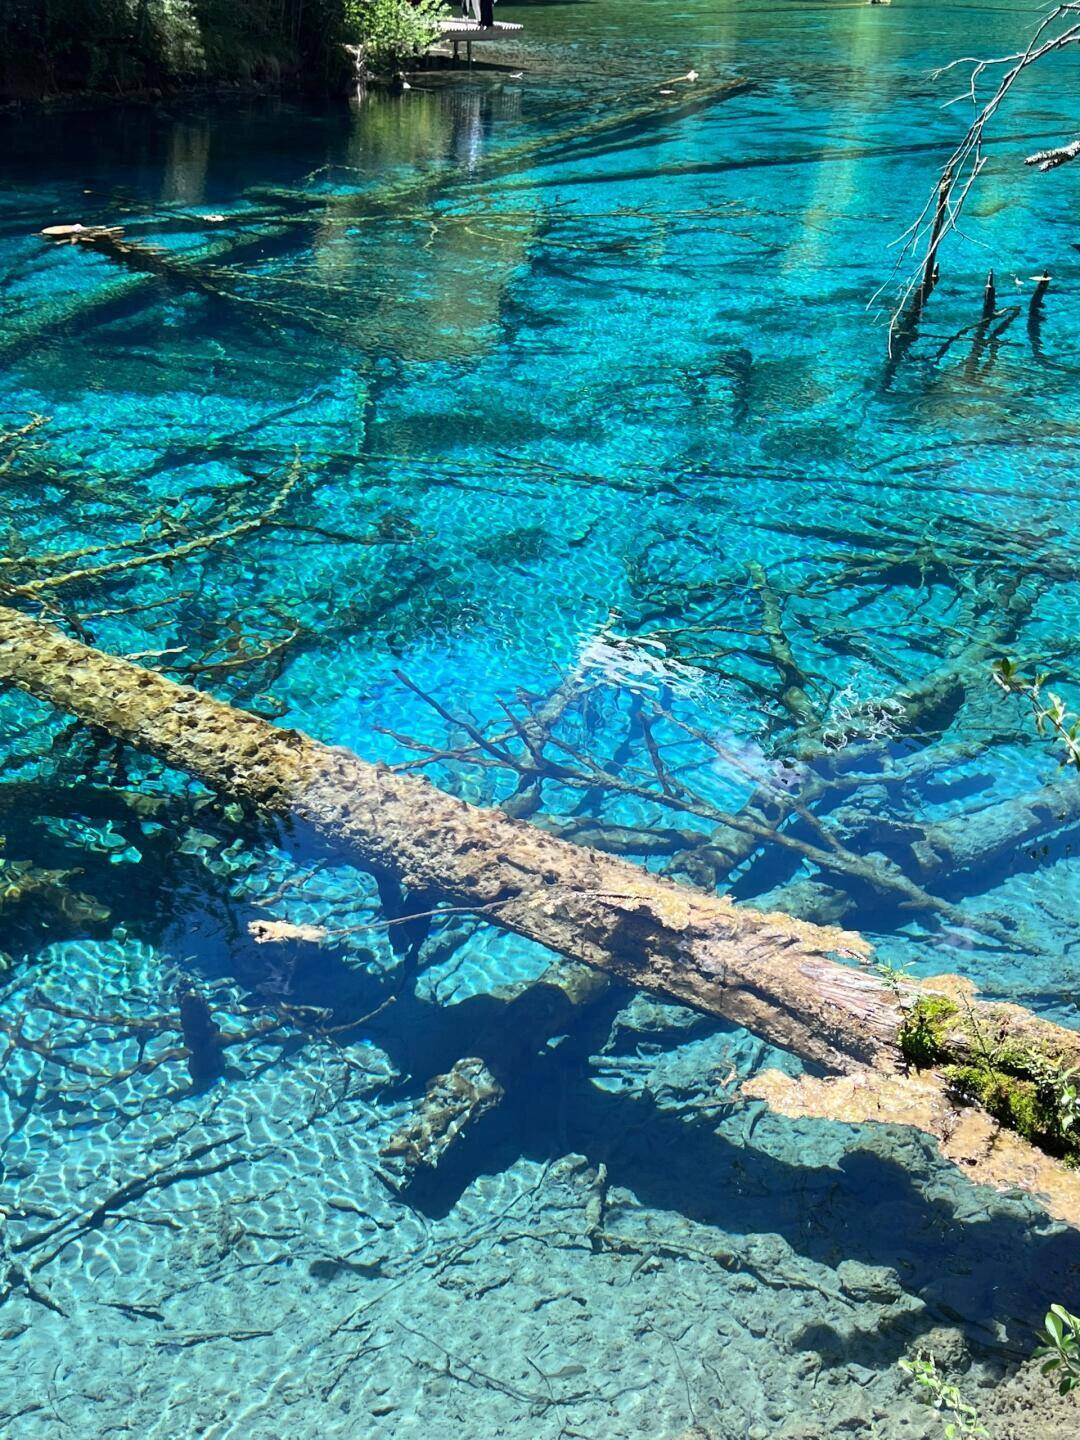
(1032, 1091)
(894, 976)
(945, 1396)
(1062, 1085)
(390, 32)
(924, 1035)
(1050, 712)
(1060, 1351)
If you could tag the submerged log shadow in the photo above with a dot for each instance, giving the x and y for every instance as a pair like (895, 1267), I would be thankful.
(869, 1206)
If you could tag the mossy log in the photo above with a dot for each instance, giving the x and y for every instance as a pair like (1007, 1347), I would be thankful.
(768, 972)
(774, 974)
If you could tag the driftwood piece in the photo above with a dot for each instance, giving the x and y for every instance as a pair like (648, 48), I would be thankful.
(1058, 155)
(451, 1103)
(771, 973)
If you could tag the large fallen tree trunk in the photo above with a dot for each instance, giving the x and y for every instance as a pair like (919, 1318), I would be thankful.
(768, 972)
(771, 973)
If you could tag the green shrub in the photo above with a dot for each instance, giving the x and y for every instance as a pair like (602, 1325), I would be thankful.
(1060, 1351)
(945, 1396)
(389, 32)
(123, 45)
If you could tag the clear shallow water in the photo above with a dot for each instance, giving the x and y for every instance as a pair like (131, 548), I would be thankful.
(562, 358)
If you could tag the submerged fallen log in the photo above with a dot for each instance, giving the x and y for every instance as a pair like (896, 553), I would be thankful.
(774, 974)
(947, 851)
(452, 1103)
(769, 972)
(81, 304)
(283, 220)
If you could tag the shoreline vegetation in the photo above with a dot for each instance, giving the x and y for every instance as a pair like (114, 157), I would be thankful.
(141, 51)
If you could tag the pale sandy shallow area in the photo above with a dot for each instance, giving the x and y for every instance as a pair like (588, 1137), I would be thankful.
(235, 1264)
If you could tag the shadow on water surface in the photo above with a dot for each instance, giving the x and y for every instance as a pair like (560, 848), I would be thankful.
(992, 1273)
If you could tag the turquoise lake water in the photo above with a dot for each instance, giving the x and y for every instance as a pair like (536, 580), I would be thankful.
(577, 364)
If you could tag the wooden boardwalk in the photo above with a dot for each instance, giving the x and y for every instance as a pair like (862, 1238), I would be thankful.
(472, 32)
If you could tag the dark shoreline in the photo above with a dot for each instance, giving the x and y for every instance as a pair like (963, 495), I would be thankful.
(14, 106)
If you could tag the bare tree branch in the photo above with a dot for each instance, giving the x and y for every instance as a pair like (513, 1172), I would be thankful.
(940, 215)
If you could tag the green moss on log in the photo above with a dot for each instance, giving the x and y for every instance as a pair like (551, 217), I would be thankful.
(1013, 1101)
(1024, 1088)
(924, 1033)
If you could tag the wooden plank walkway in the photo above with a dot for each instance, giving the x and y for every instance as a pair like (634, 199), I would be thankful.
(471, 31)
